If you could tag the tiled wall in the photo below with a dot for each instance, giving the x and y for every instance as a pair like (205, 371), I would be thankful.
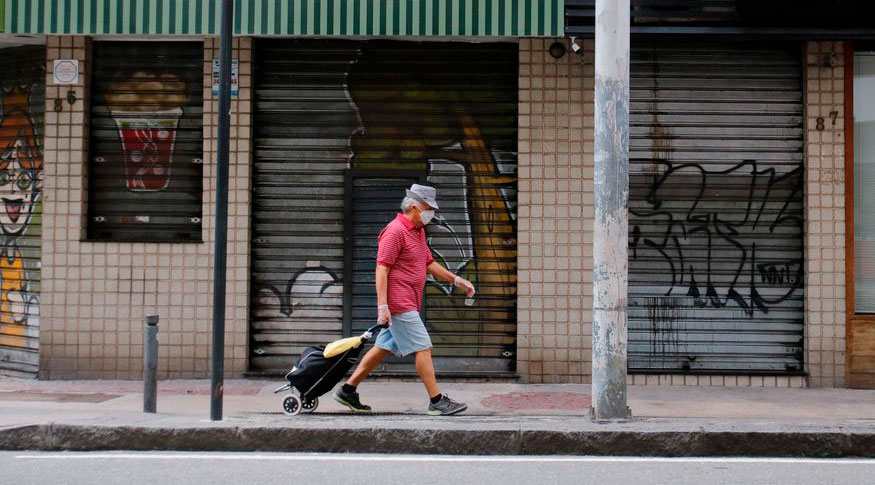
(825, 215)
(96, 294)
(555, 213)
(555, 223)
(717, 380)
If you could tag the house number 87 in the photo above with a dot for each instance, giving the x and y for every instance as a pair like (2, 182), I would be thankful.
(821, 123)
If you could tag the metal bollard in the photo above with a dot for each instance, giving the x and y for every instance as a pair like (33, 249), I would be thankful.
(150, 365)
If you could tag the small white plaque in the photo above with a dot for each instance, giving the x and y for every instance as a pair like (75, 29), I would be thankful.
(66, 71)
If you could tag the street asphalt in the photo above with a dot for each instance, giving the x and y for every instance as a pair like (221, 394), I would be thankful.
(131, 468)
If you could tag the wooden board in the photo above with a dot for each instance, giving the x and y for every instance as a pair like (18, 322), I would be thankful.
(861, 357)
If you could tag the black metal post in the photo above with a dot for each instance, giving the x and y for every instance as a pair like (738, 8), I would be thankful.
(221, 249)
(150, 365)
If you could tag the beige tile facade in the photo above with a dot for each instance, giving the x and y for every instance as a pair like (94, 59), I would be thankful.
(554, 309)
(825, 215)
(717, 380)
(96, 294)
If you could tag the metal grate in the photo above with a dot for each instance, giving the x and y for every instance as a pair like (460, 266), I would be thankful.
(580, 14)
(146, 151)
(700, 12)
(771, 18)
(716, 263)
(22, 106)
(447, 112)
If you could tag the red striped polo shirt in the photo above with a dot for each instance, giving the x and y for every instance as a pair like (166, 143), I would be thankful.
(402, 248)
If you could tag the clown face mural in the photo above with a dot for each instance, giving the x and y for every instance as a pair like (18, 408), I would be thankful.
(20, 165)
(22, 102)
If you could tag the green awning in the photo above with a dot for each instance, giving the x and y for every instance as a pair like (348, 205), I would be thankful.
(507, 18)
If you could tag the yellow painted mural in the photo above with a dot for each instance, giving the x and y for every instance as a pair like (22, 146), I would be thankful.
(21, 170)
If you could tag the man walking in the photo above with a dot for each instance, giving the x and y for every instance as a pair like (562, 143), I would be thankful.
(403, 260)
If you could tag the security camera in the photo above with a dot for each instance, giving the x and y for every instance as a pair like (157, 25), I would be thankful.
(575, 47)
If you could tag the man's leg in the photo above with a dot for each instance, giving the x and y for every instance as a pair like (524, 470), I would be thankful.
(425, 369)
(347, 394)
(370, 362)
(439, 405)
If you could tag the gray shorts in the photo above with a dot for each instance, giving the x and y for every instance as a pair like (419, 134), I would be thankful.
(405, 336)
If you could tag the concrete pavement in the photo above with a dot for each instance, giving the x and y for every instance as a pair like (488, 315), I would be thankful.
(502, 419)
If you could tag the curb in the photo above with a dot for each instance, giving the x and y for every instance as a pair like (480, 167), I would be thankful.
(64, 437)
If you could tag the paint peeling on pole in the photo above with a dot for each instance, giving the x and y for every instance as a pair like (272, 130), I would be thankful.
(611, 231)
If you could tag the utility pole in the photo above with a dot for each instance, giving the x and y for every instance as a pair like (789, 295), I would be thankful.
(611, 231)
(221, 248)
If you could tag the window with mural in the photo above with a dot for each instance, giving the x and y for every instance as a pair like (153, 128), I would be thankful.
(864, 180)
(146, 152)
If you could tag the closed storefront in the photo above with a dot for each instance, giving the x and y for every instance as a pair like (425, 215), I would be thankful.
(716, 209)
(22, 106)
(341, 128)
(749, 257)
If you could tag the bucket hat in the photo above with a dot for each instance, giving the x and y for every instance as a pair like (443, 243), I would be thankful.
(423, 193)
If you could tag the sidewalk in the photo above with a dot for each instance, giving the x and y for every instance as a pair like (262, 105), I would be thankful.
(501, 419)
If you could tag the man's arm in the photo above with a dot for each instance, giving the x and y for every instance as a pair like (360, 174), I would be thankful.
(382, 295)
(441, 273)
(435, 269)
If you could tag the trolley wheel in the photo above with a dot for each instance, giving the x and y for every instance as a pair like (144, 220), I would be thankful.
(310, 405)
(292, 405)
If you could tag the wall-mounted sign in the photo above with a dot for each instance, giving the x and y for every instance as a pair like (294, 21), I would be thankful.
(235, 77)
(66, 71)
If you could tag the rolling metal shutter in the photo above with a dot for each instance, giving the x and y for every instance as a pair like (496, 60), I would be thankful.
(146, 153)
(441, 113)
(303, 121)
(716, 263)
(22, 106)
(372, 201)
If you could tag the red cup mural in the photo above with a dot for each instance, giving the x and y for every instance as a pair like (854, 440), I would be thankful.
(146, 109)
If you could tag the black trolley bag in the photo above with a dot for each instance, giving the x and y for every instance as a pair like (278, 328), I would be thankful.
(314, 374)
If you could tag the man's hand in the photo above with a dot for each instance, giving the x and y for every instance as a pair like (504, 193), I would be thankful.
(383, 315)
(464, 284)
(443, 274)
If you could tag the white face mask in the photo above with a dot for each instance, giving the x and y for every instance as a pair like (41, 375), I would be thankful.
(426, 216)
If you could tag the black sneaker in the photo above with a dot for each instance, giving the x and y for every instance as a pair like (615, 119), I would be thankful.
(351, 400)
(446, 407)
